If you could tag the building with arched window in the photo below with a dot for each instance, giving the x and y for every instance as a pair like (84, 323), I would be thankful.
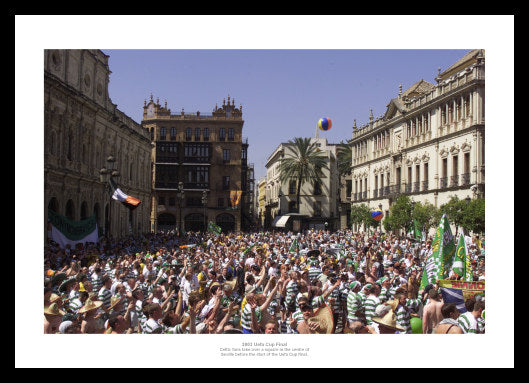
(82, 127)
(206, 156)
(430, 142)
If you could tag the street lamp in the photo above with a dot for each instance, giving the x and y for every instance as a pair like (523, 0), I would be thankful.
(180, 198)
(205, 202)
(105, 175)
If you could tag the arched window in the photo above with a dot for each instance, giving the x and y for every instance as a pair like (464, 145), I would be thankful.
(84, 210)
(70, 210)
(226, 222)
(53, 205)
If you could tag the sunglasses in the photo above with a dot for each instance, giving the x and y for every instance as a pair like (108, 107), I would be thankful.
(305, 308)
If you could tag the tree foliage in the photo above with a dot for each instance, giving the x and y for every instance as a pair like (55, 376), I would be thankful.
(344, 158)
(303, 162)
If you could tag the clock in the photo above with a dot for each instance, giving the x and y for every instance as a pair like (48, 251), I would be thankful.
(150, 110)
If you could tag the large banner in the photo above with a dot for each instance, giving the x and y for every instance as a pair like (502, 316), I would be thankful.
(459, 291)
(439, 262)
(65, 231)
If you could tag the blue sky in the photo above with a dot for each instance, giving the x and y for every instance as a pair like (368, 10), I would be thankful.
(283, 92)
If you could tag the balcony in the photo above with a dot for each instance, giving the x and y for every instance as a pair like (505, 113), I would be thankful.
(465, 179)
(416, 187)
(166, 185)
(425, 185)
(443, 182)
(454, 181)
(196, 160)
(196, 185)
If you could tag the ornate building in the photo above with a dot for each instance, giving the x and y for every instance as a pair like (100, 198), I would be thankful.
(199, 161)
(82, 127)
(429, 144)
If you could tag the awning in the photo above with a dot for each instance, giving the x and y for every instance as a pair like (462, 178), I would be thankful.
(282, 221)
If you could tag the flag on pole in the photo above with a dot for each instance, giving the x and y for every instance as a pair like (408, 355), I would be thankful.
(118, 195)
(439, 261)
(415, 230)
(294, 247)
(214, 228)
(249, 248)
(65, 231)
(462, 266)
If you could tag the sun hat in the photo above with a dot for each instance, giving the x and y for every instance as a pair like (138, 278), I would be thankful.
(390, 318)
(90, 305)
(53, 309)
(324, 317)
(54, 298)
(114, 301)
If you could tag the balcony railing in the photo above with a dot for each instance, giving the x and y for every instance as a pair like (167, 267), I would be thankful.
(443, 182)
(465, 179)
(425, 185)
(196, 185)
(454, 181)
(416, 186)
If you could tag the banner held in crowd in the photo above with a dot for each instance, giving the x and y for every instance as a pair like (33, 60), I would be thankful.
(213, 228)
(439, 261)
(459, 291)
(65, 231)
(462, 266)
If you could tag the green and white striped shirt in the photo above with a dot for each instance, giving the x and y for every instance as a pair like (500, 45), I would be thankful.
(151, 327)
(468, 323)
(354, 303)
(403, 319)
(292, 291)
(370, 305)
(105, 295)
(246, 317)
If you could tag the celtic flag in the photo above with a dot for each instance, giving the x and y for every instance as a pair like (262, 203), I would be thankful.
(67, 232)
(214, 228)
(461, 265)
(439, 262)
(294, 247)
(416, 230)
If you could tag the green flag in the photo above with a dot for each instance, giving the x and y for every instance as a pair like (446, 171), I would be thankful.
(462, 266)
(294, 247)
(439, 262)
(458, 266)
(417, 233)
(214, 228)
(249, 248)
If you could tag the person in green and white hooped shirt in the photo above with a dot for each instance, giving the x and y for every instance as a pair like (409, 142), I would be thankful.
(354, 303)
(371, 302)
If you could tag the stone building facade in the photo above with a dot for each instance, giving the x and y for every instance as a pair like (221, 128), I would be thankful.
(208, 155)
(429, 144)
(82, 127)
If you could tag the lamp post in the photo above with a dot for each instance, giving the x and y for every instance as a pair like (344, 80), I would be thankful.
(180, 194)
(105, 175)
(205, 202)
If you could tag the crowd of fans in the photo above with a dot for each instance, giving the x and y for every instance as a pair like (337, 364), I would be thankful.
(250, 283)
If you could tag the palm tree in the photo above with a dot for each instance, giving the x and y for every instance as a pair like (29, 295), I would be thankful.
(303, 163)
(344, 156)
